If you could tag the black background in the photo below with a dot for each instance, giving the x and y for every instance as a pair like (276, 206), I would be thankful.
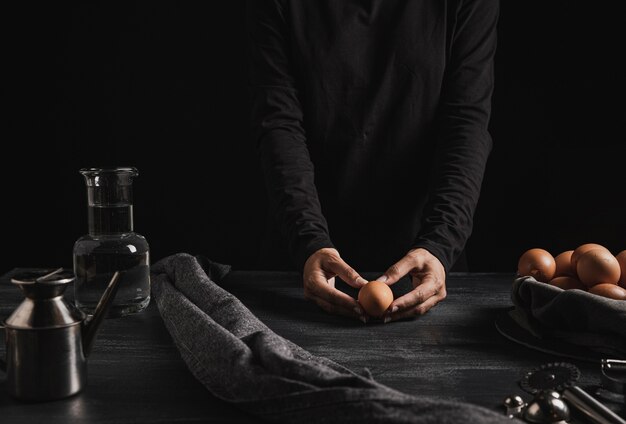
(151, 84)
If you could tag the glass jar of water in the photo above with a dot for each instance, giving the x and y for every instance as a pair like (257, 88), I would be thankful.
(111, 245)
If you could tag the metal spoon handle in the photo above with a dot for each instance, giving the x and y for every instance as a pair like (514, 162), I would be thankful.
(50, 274)
(594, 410)
(614, 364)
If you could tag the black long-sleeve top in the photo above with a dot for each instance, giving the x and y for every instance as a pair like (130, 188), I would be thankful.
(371, 120)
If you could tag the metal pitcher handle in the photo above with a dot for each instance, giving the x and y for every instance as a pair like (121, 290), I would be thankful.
(3, 364)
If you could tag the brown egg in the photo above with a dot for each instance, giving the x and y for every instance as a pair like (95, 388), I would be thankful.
(598, 266)
(621, 258)
(582, 249)
(611, 291)
(564, 264)
(537, 263)
(375, 297)
(567, 283)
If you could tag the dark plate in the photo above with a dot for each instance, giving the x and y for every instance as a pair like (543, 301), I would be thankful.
(513, 331)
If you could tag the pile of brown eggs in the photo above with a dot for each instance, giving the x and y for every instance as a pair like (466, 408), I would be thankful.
(591, 267)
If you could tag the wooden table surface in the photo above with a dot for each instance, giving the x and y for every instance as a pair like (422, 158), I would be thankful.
(135, 372)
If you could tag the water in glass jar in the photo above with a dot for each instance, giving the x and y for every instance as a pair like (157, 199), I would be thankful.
(111, 245)
(96, 258)
(115, 219)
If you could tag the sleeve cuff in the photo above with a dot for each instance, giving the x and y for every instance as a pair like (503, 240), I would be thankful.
(306, 248)
(437, 251)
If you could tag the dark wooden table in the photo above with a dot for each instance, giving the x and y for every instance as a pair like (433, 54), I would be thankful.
(454, 352)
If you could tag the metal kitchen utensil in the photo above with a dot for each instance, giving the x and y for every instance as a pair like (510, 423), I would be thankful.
(561, 377)
(514, 406)
(48, 339)
(614, 375)
(590, 407)
(554, 376)
(547, 408)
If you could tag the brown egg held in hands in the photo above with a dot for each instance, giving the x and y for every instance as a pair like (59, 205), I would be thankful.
(375, 297)
(611, 291)
(621, 259)
(564, 264)
(598, 266)
(583, 248)
(567, 283)
(537, 263)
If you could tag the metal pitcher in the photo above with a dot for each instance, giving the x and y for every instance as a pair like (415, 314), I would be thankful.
(48, 339)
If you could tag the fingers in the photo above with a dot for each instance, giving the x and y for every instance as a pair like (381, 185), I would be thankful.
(344, 271)
(426, 270)
(418, 310)
(324, 294)
(319, 272)
(337, 310)
(427, 288)
(427, 293)
(399, 270)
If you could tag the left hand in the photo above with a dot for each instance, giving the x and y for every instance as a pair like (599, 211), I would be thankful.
(429, 284)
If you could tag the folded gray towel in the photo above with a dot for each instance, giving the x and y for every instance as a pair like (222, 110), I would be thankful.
(572, 316)
(241, 361)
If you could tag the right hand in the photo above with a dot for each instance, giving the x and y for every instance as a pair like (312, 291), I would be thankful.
(320, 271)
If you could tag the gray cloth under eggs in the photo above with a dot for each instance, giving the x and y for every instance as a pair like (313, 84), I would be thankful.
(576, 317)
(241, 361)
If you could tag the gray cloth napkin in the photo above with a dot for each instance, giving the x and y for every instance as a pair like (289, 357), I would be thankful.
(572, 316)
(241, 361)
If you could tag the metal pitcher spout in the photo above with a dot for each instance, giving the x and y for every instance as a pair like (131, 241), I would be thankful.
(91, 325)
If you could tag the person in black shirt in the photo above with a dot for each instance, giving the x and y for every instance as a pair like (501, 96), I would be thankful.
(371, 121)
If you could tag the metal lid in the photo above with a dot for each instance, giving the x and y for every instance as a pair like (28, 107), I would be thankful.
(44, 306)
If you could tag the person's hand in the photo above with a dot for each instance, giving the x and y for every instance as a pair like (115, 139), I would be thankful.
(429, 284)
(320, 271)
